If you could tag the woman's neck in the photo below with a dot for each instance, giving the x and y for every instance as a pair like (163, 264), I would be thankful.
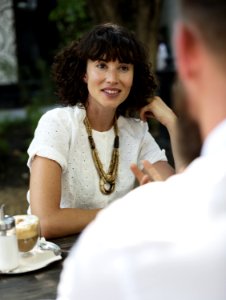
(100, 119)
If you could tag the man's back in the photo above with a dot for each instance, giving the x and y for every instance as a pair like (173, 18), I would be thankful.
(176, 239)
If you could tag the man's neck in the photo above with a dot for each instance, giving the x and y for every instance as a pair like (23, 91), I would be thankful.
(212, 98)
(213, 112)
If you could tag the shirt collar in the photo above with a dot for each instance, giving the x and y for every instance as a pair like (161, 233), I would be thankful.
(215, 141)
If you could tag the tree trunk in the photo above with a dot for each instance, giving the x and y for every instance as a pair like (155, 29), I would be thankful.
(140, 16)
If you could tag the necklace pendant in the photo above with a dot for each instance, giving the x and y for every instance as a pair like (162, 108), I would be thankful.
(106, 187)
(109, 179)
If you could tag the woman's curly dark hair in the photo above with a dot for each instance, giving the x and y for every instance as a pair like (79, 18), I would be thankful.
(109, 42)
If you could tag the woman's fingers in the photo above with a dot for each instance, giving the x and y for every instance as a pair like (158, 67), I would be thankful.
(137, 172)
(153, 109)
(151, 171)
(159, 110)
(140, 176)
(145, 179)
(145, 113)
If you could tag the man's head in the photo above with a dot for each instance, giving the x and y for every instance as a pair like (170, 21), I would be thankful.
(209, 18)
(200, 48)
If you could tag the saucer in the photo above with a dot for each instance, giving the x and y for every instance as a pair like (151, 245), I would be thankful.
(37, 260)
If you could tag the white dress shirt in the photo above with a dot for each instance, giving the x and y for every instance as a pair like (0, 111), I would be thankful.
(162, 241)
(61, 136)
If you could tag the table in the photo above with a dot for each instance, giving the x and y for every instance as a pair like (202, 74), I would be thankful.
(40, 284)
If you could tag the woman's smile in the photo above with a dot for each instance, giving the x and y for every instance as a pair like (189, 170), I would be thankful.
(112, 92)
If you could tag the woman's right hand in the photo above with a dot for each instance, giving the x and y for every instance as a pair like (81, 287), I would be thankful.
(158, 110)
(148, 174)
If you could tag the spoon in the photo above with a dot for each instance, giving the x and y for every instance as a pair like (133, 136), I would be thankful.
(44, 245)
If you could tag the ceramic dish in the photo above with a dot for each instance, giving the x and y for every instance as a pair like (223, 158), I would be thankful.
(38, 259)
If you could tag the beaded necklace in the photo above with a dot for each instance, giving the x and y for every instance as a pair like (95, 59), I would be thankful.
(107, 180)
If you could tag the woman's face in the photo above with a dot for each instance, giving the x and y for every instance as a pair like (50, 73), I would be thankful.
(108, 83)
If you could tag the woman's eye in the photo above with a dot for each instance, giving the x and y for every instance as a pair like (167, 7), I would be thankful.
(124, 68)
(101, 65)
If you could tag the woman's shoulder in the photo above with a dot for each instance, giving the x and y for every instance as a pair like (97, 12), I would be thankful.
(133, 125)
(59, 122)
(63, 114)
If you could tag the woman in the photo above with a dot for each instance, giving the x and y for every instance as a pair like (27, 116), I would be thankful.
(81, 154)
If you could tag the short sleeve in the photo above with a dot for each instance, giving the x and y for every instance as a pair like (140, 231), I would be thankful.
(52, 138)
(150, 150)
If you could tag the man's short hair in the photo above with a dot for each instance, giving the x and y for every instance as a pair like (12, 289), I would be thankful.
(209, 16)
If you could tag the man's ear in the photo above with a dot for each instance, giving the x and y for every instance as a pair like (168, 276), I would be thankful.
(188, 51)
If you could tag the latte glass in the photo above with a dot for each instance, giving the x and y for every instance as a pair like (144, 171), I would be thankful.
(28, 232)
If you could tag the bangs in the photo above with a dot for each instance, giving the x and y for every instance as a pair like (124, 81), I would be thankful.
(112, 51)
(111, 44)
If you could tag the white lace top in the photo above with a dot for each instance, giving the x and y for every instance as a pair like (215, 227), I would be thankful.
(61, 136)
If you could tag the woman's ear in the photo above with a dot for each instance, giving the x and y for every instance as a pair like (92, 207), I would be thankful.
(85, 78)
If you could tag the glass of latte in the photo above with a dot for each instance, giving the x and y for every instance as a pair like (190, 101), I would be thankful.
(28, 232)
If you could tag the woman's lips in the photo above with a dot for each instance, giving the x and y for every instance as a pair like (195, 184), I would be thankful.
(111, 92)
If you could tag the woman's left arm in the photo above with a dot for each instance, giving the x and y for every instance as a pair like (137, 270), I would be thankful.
(160, 170)
(158, 110)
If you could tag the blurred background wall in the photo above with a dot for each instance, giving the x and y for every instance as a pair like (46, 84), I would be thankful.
(8, 57)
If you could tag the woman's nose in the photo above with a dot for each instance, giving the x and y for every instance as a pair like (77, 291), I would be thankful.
(112, 76)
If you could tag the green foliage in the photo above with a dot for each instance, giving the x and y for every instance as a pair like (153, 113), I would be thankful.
(72, 18)
(37, 91)
(34, 113)
(15, 137)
